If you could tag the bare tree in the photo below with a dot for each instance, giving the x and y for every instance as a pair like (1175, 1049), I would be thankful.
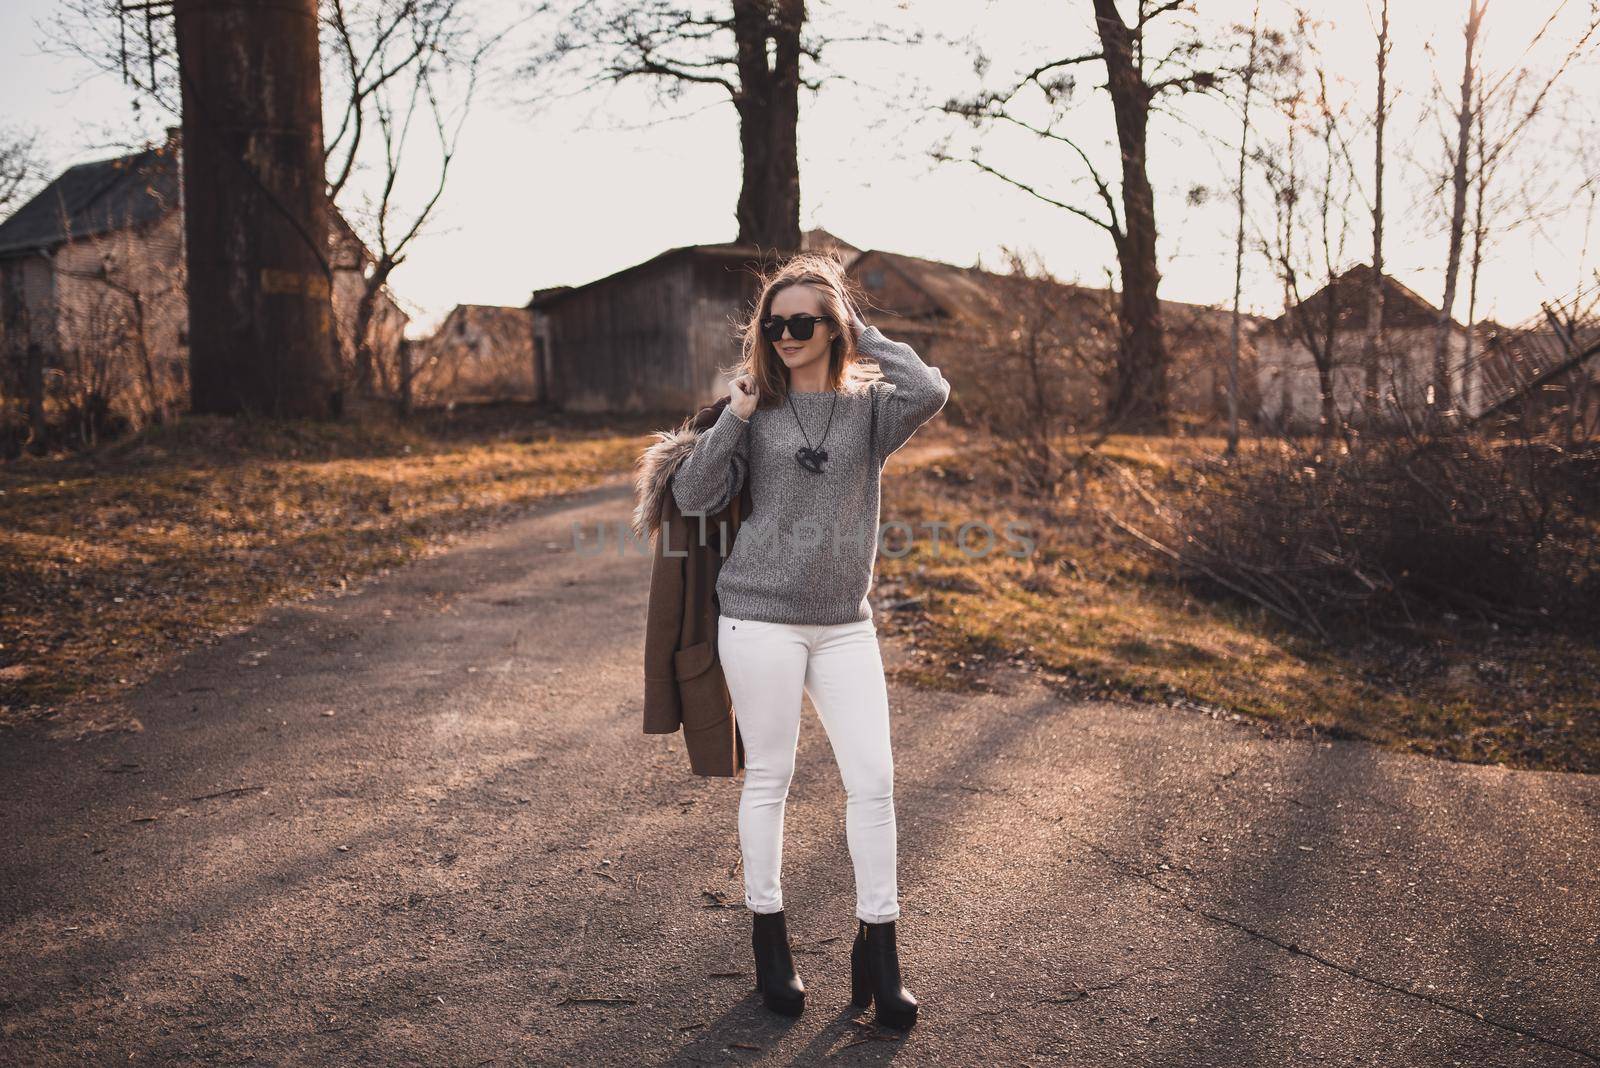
(1370, 345)
(253, 169)
(21, 370)
(1137, 84)
(1517, 97)
(1320, 329)
(1249, 85)
(1310, 247)
(1282, 174)
(1458, 207)
(21, 167)
(1036, 358)
(116, 301)
(132, 41)
(398, 59)
(122, 329)
(1141, 389)
(752, 50)
(1266, 56)
(390, 66)
(1504, 114)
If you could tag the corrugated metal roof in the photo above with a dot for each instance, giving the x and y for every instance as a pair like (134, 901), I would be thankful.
(970, 292)
(555, 294)
(816, 238)
(958, 291)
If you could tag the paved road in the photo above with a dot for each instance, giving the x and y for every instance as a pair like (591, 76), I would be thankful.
(477, 858)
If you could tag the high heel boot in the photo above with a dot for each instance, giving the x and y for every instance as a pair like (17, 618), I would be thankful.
(776, 978)
(875, 974)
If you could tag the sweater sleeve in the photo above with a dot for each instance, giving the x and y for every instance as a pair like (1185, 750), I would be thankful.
(912, 393)
(714, 472)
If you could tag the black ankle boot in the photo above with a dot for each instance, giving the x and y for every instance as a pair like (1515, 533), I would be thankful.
(875, 973)
(780, 986)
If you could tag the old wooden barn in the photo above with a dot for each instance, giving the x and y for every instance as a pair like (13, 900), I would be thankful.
(657, 336)
(660, 335)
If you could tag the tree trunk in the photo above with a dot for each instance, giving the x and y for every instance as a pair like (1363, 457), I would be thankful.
(1238, 244)
(1286, 268)
(366, 307)
(1325, 360)
(255, 208)
(155, 413)
(1139, 395)
(1480, 234)
(33, 394)
(1458, 215)
(405, 376)
(1371, 392)
(768, 104)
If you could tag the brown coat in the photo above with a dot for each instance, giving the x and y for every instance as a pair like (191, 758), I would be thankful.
(683, 681)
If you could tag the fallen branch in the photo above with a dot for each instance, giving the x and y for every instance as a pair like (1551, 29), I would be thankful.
(1299, 621)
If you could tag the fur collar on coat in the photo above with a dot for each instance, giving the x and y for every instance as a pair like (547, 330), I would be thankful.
(660, 461)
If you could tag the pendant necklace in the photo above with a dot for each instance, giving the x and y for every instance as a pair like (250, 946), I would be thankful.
(807, 457)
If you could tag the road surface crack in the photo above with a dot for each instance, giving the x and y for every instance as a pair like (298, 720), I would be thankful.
(1148, 877)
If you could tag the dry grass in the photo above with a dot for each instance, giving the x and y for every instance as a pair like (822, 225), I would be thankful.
(114, 563)
(1088, 606)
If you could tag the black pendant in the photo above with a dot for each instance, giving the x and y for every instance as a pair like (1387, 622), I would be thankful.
(811, 459)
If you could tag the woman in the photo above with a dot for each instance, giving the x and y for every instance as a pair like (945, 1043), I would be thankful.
(811, 430)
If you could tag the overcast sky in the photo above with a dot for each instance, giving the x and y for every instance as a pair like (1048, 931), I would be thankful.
(588, 187)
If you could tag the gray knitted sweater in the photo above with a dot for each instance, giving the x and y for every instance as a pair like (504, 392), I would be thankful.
(808, 550)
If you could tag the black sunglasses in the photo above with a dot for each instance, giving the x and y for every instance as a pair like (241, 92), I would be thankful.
(801, 327)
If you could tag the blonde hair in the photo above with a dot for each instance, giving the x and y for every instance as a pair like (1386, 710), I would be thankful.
(839, 295)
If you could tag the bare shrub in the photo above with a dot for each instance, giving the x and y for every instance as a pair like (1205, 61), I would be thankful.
(1035, 356)
(1391, 532)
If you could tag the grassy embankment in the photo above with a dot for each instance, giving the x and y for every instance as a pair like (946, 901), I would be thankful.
(1089, 606)
(114, 562)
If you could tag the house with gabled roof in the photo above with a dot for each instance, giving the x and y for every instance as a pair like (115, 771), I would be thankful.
(478, 352)
(93, 304)
(1335, 318)
(933, 305)
(656, 335)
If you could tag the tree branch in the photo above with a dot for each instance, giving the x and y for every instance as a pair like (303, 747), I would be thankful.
(1110, 227)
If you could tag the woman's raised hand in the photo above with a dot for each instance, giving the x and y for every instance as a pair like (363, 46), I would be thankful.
(742, 396)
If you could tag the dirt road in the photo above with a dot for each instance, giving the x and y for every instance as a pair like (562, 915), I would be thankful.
(418, 824)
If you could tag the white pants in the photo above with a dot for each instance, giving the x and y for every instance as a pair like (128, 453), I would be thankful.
(840, 667)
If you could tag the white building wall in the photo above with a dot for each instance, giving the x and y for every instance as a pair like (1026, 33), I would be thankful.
(1291, 395)
(80, 307)
(102, 340)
